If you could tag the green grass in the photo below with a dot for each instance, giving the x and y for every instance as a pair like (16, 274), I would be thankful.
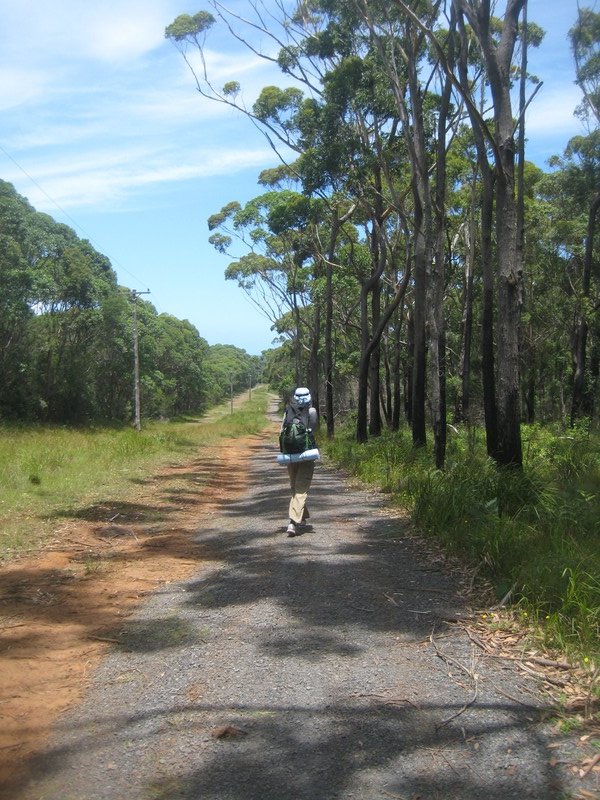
(45, 469)
(535, 532)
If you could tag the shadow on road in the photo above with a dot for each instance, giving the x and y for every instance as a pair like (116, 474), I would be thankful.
(330, 659)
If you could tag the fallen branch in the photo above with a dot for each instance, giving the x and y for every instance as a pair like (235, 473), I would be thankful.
(511, 697)
(469, 672)
(548, 662)
(540, 675)
(479, 642)
(590, 764)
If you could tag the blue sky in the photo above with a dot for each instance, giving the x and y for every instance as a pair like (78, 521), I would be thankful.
(102, 128)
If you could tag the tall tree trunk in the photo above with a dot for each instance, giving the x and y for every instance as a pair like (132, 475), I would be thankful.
(374, 368)
(363, 368)
(437, 280)
(419, 344)
(329, 349)
(581, 404)
(509, 303)
(408, 370)
(488, 359)
(464, 399)
(299, 378)
(423, 240)
(386, 389)
(369, 343)
(328, 355)
(396, 380)
(594, 366)
(314, 364)
(530, 379)
(487, 212)
(498, 57)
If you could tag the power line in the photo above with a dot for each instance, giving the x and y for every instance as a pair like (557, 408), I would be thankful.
(66, 214)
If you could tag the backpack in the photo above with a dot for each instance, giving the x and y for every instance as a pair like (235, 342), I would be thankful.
(295, 436)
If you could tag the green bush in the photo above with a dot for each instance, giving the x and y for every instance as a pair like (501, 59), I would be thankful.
(533, 531)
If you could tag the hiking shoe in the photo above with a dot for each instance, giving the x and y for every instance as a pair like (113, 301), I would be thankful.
(291, 529)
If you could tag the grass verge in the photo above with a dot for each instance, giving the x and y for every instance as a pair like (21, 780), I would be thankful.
(44, 469)
(534, 534)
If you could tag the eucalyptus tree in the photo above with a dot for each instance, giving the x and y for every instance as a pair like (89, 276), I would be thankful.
(229, 369)
(277, 113)
(66, 331)
(72, 281)
(353, 156)
(422, 92)
(15, 309)
(585, 45)
(334, 133)
(494, 39)
(53, 287)
(365, 152)
(552, 250)
(180, 359)
(113, 358)
(462, 280)
(572, 190)
(497, 49)
(277, 265)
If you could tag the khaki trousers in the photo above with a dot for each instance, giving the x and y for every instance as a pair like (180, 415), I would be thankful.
(301, 475)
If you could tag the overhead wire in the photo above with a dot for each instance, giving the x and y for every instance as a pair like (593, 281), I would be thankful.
(74, 222)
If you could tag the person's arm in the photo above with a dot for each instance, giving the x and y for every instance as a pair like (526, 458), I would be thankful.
(313, 418)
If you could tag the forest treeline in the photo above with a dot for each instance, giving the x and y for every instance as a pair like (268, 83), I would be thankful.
(404, 245)
(66, 334)
(433, 285)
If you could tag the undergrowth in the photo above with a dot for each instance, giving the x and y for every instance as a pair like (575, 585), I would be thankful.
(534, 533)
(46, 469)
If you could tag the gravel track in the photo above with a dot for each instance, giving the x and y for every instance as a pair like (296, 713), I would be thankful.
(301, 669)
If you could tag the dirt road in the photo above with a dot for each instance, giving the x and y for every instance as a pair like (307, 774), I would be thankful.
(330, 665)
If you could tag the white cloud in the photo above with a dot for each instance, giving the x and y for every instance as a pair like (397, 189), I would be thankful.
(128, 31)
(551, 111)
(111, 180)
(106, 31)
(224, 66)
(19, 86)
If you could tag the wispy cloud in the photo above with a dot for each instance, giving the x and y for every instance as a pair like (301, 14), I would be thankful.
(551, 112)
(111, 181)
(20, 86)
(99, 107)
(102, 108)
(107, 31)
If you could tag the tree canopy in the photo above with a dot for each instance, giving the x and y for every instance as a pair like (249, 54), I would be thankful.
(66, 339)
(406, 249)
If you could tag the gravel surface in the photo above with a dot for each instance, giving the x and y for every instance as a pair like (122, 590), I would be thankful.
(308, 668)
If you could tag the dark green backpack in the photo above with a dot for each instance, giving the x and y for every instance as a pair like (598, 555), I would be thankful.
(295, 436)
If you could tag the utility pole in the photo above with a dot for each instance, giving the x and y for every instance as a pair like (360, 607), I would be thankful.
(137, 420)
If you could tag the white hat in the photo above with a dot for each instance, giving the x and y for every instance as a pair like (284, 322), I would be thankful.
(302, 397)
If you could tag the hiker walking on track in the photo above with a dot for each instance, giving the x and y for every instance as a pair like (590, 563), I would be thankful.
(300, 419)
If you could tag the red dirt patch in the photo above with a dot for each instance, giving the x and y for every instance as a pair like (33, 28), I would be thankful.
(60, 609)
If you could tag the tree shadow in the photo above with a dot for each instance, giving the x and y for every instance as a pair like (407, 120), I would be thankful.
(312, 606)
(363, 748)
